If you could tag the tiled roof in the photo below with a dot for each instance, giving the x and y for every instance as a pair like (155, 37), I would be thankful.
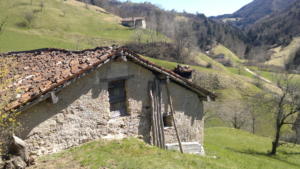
(38, 72)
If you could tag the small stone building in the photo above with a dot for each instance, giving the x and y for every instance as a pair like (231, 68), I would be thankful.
(71, 97)
(134, 22)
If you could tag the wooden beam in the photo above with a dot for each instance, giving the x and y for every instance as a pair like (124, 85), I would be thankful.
(54, 98)
(161, 116)
(172, 114)
(150, 86)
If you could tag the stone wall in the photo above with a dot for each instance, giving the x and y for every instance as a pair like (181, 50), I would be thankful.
(83, 112)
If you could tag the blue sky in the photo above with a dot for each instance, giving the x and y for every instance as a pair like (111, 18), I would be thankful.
(208, 7)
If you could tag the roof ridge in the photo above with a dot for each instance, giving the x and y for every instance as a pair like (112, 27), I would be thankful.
(59, 50)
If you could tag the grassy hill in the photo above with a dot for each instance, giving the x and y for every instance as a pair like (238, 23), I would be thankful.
(60, 24)
(282, 55)
(225, 148)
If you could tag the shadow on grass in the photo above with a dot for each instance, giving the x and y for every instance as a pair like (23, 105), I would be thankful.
(267, 155)
(289, 153)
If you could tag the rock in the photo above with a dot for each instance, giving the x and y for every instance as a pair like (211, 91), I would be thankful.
(15, 162)
(8, 165)
(18, 162)
(1, 163)
(18, 148)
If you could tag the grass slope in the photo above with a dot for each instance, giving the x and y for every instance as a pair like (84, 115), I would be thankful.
(220, 49)
(60, 24)
(226, 149)
(282, 54)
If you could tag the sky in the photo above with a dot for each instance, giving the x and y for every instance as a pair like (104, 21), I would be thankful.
(208, 7)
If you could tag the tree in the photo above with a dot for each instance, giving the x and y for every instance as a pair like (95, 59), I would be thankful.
(42, 5)
(257, 106)
(286, 106)
(234, 112)
(2, 25)
(29, 17)
(183, 38)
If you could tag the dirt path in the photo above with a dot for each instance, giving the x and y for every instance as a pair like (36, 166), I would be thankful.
(255, 74)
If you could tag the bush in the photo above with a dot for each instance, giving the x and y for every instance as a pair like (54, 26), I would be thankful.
(28, 20)
(8, 124)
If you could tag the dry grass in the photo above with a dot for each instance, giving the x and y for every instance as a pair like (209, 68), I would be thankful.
(282, 55)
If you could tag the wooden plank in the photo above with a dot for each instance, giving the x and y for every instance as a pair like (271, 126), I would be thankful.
(157, 118)
(158, 113)
(172, 113)
(161, 115)
(150, 86)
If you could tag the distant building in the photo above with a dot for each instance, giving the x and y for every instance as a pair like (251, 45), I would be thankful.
(134, 22)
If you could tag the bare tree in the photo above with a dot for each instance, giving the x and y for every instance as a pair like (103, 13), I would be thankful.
(2, 25)
(138, 35)
(234, 112)
(42, 5)
(286, 106)
(29, 17)
(238, 120)
(183, 38)
(257, 106)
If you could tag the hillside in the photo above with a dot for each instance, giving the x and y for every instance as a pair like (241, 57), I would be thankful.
(277, 31)
(60, 24)
(225, 148)
(268, 25)
(278, 28)
(282, 56)
(255, 11)
(197, 29)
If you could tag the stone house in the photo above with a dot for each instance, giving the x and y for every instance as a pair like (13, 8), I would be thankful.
(134, 22)
(71, 97)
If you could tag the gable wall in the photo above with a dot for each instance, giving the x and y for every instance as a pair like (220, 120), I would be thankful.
(82, 113)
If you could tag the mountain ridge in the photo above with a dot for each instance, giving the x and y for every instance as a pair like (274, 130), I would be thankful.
(255, 11)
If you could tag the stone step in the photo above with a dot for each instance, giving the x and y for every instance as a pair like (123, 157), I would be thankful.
(188, 147)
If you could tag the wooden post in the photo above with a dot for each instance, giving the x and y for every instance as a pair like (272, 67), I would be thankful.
(172, 114)
(157, 118)
(161, 117)
(156, 115)
(152, 111)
